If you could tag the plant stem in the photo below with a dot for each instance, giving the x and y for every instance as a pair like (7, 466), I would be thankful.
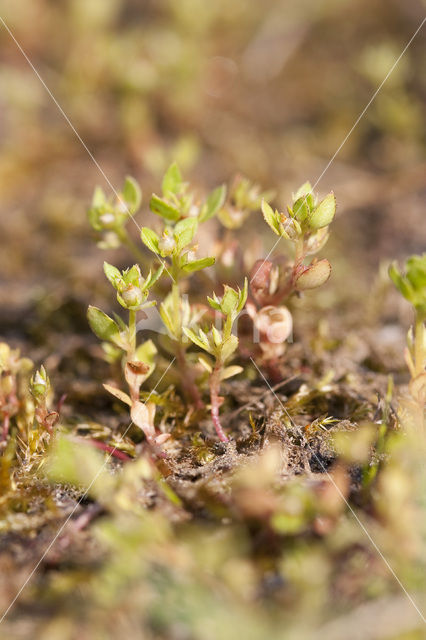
(6, 422)
(299, 255)
(419, 349)
(132, 335)
(128, 242)
(187, 377)
(188, 382)
(176, 309)
(215, 400)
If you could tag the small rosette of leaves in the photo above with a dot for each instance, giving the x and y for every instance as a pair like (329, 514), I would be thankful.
(174, 243)
(181, 215)
(177, 203)
(221, 344)
(109, 216)
(305, 217)
(132, 289)
(244, 198)
(232, 302)
(412, 282)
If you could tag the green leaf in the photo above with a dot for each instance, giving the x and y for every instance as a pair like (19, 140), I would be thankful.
(271, 217)
(112, 273)
(205, 363)
(80, 464)
(172, 181)
(132, 275)
(214, 202)
(197, 340)
(184, 232)
(214, 302)
(416, 272)
(217, 337)
(301, 209)
(403, 286)
(132, 194)
(324, 212)
(167, 319)
(99, 198)
(243, 296)
(149, 282)
(229, 301)
(146, 353)
(163, 209)
(303, 190)
(229, 347)
(228, 372)
(197, 265)
(102, 325)
(117, 393)
(150, 239)
(93, 216)
(121, 324)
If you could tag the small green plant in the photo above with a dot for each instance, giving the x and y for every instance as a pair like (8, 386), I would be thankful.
(174, 244)
(14, 374)
(221, 345)
(411, 283)
(109, 217)
(181, 213)
(40, 390)
(138, 360)
(26, 414)
(244, 198)
(272, 282)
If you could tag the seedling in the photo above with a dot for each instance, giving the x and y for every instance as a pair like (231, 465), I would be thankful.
(175, 245)
(412, 285)
(305, 226)
(181, 213)
(132, 293)
(40, 390)
(221, 345)
(14, 371)
(244, 198)
(109, 217)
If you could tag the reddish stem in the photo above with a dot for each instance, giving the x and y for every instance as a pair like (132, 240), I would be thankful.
(6, 425)
(112, 450)
(215, 401)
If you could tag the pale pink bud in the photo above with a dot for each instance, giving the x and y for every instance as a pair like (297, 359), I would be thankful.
(274, 324)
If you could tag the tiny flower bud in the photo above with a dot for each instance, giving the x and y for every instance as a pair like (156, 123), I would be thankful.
(228, 257)
(194, 210)
(110, 241)
(107, 220)
(166, 245)
(132, 296)
(314, 276)
(260, 279)
(289, 227)
(274, 324)
(39, 384)
(232, 217)
(191, 255)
